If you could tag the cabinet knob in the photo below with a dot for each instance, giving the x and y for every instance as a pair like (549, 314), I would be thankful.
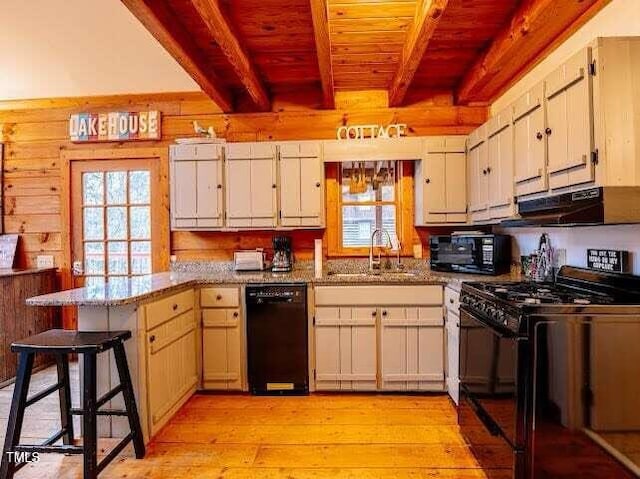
(235, 314)
(219, 297)
(488, 170)
(427, 181)
(484, 172)
(219, 187)
(152, 338)
(451, 300)
(174, 307)
(539, 136)
(373, 314)
(384, 313)
(318, 184)
(548, 131)
(273, 186)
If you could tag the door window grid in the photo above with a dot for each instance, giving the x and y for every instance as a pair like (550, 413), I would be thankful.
(116, 208)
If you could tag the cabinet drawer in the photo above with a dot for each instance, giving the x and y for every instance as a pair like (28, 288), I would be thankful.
(452, 300)
(170, 331)
(170, 307)
(220, 297)
(220, 318)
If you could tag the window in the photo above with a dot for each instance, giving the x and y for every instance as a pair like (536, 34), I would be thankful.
(363, 197)
(116, 224)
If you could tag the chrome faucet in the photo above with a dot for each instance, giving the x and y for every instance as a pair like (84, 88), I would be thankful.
(377, 263)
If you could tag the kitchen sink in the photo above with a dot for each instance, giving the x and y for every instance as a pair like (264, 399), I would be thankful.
(385, 274)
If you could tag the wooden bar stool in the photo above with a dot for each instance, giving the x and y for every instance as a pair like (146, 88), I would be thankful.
(61, 343)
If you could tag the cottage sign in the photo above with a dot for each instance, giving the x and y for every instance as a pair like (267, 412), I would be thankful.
(359, 132)
(115, 126)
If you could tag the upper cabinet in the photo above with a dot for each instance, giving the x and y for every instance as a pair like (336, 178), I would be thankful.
(477, 174)
(500, 165)
(568, 94)
(440, 182)
(196, 186)
(530, 143)
(251, 185)
(300, 170)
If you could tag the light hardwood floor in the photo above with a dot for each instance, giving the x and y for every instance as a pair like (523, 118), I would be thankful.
(247, 437)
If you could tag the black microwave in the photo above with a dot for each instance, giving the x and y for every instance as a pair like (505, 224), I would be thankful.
(478, 254)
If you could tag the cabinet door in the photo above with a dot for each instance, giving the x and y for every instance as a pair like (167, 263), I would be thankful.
(435, 184)
(478, 179)
(453, 352)
(184, 191)
(221, 349)
(456, 177)
(394, 349)
(500, 161)
(290, 186)
(530, 143)
(327, 348)
(311, 199)
(209, 192)
(263, 184)
(570, 122)
(239, 192)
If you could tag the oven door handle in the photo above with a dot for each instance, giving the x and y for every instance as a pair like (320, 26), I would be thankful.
(485, 419)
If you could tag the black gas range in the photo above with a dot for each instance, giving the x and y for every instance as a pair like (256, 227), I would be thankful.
(550, 375)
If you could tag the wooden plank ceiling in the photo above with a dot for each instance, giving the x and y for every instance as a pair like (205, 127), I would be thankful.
(241, 52)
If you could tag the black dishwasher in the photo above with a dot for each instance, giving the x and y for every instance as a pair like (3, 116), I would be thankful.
(277, 339)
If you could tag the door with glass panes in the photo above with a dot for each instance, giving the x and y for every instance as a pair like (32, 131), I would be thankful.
(112, 214)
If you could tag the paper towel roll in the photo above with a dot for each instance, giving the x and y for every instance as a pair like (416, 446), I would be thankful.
(318, 258)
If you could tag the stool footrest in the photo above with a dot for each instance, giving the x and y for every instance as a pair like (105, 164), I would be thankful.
(42, 394)
(114, 452)
(108, 396)
(41, 449)
(104, 412)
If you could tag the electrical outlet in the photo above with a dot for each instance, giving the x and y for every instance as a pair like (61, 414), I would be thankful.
(45, 261)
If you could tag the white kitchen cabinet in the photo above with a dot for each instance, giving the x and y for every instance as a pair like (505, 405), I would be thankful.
(569, 131)
(196, 186)
(251, 185)
(452, 327)
(478, 179)
(222, 339)
(440, 182)
(412, 349)
(172, 366)
(530, 143)
(500, 165)
(301, 180)
(345, 348)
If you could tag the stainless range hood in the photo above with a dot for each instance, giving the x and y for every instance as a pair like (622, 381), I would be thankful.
(594, 206)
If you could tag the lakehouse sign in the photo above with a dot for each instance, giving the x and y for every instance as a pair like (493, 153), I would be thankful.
(115, 126)
(359, 132)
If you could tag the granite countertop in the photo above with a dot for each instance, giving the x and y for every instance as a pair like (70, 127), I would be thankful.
(188, 275)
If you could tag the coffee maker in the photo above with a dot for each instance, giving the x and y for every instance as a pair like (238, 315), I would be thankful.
(282, 257)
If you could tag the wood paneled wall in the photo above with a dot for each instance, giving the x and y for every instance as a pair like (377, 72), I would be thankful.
(35, 131)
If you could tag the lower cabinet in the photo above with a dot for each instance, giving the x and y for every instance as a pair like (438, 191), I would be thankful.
(222, 350)
(172, 366)
(361, 345)
(412, 349)
(346, 348)
(452, 327)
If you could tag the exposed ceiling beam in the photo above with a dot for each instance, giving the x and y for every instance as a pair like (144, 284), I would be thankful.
(535, 26)
(213, 18)
(162, 24)
(323, 49)
(428, 15)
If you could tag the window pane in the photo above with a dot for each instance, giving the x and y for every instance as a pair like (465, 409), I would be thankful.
(359, 223)
(93, 258)
(140, 222)
(139, 187)
(368, 181)
(116, 187)
(93, 188)
(141, 257)
(94, 282)
(93, 223)
(118, 263)
(116, 222)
